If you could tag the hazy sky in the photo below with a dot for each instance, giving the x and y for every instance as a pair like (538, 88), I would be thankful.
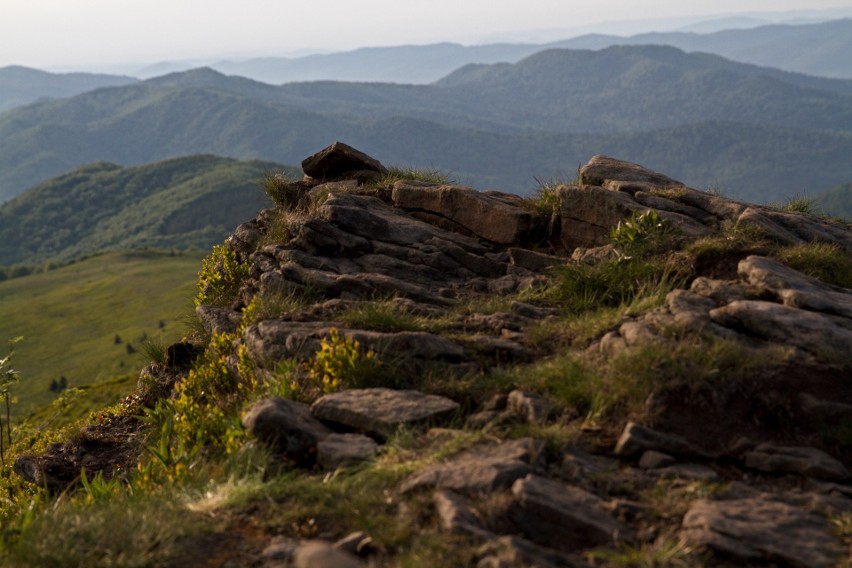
(52, 33)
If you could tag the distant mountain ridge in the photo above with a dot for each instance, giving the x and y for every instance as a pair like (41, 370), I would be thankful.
(756, 132)
(179, 203)
(22, 85)
(822, 49)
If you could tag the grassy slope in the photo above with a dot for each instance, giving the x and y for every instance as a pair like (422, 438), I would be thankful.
(193, 201)
(69, 318)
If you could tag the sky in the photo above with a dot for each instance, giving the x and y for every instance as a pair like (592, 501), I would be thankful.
(98, 33)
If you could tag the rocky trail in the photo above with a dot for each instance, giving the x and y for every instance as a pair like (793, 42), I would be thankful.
(739, 459)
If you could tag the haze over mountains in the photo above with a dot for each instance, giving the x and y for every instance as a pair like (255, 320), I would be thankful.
(757, 133)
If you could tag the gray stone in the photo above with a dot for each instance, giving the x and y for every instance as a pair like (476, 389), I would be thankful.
(381, 411)
(578, 465)
(817, 333)
(215, 319)
(529, 406)
(794, 288)
(652, 459)
(589, 213)
(482, 469)
(339, 160)
(760, 530)
(594, 255)
(280, 549)
(689, 471)
(637, 439)
(603, 168)
(795, 459)
(532, 260)
(456, 517)
(286, 426)
(515, 552)
(320, 554)
(341, 450)
(357, 543)
(494, 216)
(561, 516)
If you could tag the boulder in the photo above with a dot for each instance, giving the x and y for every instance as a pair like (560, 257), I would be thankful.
(382, 411)
(481, 469)
(515, 552)
(321, 554)
(635, 440)
(601, 169)
(796, 459)
(497, 217)
(757, 530)
(456, 517)
(286, 426)
(341, 450)
(561, 516)
(339, 161)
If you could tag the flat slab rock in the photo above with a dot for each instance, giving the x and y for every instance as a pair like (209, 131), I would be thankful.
(796, 459)
(481, 469)
(340, 450)
(636, 439)
(381, 411)
(761, 530)
(562, 516)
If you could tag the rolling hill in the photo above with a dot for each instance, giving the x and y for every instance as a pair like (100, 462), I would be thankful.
(178, 203)
(758, 133)
(822, 48)
(22, 85)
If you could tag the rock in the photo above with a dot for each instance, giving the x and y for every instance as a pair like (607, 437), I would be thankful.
(601, 169)
(594, 255)
(532, 260)
(381, 411)
(654, 460)
(578, 465)
(286, 426)
(497, 217)
(759, 530)
(320, 554)
(339, 161)
(529, 406)
(244, 239)
(795, 289)
(561, 516)
(636, 439)
(814, 332)
(689, 471)
(589, 213)
(456, 517)
(215, 319)
(514, 552)
(358, 543)
(755, 218)
(280, 549)
(793, 459)
(341, 450)
(481, 469)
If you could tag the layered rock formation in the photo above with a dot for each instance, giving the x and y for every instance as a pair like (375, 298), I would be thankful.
(747, 489)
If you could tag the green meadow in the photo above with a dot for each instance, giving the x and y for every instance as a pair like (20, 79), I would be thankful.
(88, 322)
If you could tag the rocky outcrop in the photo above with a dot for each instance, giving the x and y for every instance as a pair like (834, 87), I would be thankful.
(451, 290)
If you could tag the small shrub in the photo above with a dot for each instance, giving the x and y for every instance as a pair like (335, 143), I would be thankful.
(221, 276)
(341, 363)
(641, 233)
(155, 351)
(283, 191)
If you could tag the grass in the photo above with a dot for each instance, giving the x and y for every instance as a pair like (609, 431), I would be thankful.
(382, 315)
(410, 173)
(823, 261)
(70, 317)
(799, 204)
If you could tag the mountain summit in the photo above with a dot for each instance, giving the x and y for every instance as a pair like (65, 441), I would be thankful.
(391, 369)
